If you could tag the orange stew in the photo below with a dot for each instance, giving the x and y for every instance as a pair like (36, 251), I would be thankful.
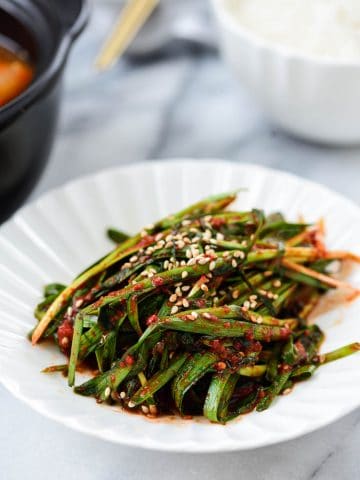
(15, 75)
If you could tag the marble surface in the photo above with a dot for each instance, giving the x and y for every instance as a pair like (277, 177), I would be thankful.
(184, 103)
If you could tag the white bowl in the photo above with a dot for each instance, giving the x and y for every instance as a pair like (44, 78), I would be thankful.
(314, 98)
(62, 232)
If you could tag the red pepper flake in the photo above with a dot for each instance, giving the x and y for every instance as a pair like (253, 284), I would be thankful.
(300, 350)
(121, 364)
(200, 303)
(283, 368)
(138, 287)
(129, 360)
(145, 241)
(249, 334)
(227, 324)
(112, 378)
(152, 319)
(217, 222)
(261, 394)
(157, 281)
(285, 332)
(65, 334)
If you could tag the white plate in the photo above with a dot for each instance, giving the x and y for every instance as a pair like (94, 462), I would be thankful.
(60, 234)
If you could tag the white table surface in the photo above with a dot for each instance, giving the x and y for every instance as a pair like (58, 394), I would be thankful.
(175, 106)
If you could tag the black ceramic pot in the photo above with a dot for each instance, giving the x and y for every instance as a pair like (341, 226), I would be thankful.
(46, 29)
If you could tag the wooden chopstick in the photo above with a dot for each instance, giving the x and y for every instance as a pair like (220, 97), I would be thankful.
(132, 18)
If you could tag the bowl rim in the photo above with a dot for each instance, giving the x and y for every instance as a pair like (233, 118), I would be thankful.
(225, 17)
(22, 102)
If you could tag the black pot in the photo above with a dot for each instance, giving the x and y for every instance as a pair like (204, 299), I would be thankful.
(46, 29)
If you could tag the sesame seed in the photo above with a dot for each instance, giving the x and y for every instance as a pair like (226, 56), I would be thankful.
(213, 241)
(207, 235)
(166, 264)
(220, 236)
(244, 309)
(169, 237)
(253, 305)
(234, 263)
(186, 223)
(252, 298)
(275, 296)
(159, 236)
(150, 226)
(206, 315)
(184, 274)
(212, 265)
(204, 288)
(143, 233)
(173, 298)
(277, 283)
(133, 259)
(174, 310)
(185, 288)
(195, 314)
(202, 261)
(64, 341)
(192, 261)
(259, 320)
(122, 395)
(235, 294)
(79, 302)
(188, 253)
(107, 392)
(178, 291)
(69, 311)
(246, 304)
(181, 244)
(208, 218)
(131, 404)
(185, 303)
(145, 409)
(286, 391)
(226, 254)
(153, 409)
(239, 254)
(267, 273)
